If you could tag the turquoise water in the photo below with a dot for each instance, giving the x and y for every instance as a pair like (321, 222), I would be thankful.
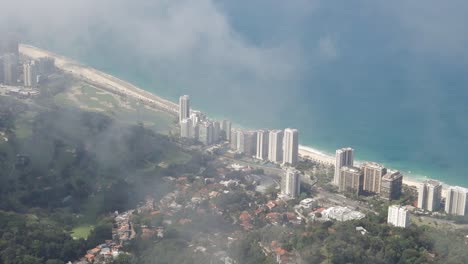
(393, 101)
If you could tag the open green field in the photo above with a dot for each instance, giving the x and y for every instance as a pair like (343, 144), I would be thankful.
(126, 110)
(82, 231)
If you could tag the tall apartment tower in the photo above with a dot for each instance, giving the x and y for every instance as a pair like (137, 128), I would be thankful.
(216, 131)
(373, 173)
(10, 69)
(234, 133)
(205, 133)
(398, 216)
(390, 187)
(186, 128)
(226, 130)
(262, 144)
(184, 107)
(275, 146)
(29, 74)
(247, 143)
(351, 179)
(456, 202)
(344, 157)
(291, 185)
(290, 146)
(429, 195)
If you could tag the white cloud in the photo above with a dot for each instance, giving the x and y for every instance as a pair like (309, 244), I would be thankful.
(327, 47)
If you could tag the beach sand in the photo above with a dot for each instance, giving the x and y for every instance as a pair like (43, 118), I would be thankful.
(119, 86)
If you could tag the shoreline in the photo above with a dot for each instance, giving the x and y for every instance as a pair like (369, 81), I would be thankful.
(116, 85)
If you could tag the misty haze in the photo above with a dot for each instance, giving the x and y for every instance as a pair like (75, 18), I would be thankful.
(233, 132)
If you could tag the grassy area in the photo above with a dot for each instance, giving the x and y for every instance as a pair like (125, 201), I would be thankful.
(126, 110)
(81, 231)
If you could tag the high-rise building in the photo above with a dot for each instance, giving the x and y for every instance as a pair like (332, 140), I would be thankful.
(226, 130)
(10, 69)
(45, 66)
(29, 74)
(456, 202)
(184, 107)
(234, 137)
(1, 70)
(351, 179)
(398, 216)
(205, 133)
(429, 195)
(186, 128)
(216, 131)
(275, 146)
(373, 173)
(291, 185)
(344, 157)
(262, 144)
(248, 143)
(391, 184)
(290, 146)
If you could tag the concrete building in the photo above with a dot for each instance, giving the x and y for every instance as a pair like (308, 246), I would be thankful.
(262, 144)
(45, 66)
(291, 185)
(216, 131)
(351, 179)
(290, 146)
(10, 69)
(275, 146)
(29, 74)
(205, 132)
(234, 137)
(184, 107)
(247, 142)
(226, 130)
(186, 128)
(456, 202)
(391, 184)
(343, 157)
(398, 216)
(429, 195)
(373, 173)
(9, 44)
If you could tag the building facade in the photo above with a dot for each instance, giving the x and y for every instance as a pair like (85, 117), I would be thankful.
(291, 185)
(186, 128)
(390, 186)
(398, 216)
(373, 173)
(262, 144)
(275, 146)
(456, 202)
(205, 132)
(29, 74)
(184, 107)
(10, 69)
(343, 157)
(290, 146)
(429, 195)
(351, 180)
(233, 141)
(226, 130)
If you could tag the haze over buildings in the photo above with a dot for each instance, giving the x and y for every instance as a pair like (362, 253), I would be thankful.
(184, 107)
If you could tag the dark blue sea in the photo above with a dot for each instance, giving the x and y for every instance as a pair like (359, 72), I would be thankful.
(388, 78)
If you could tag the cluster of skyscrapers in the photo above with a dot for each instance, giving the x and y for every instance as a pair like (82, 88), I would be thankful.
(370, 177)
(430, 198)
(277, 146)
(14, 71)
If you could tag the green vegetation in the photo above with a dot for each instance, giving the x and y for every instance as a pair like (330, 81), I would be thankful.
(81, 231)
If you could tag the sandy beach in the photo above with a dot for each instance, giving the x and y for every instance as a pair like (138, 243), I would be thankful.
(99, 78)
(113, 84)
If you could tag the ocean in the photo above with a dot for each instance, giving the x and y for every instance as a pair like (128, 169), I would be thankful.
(348, 74)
